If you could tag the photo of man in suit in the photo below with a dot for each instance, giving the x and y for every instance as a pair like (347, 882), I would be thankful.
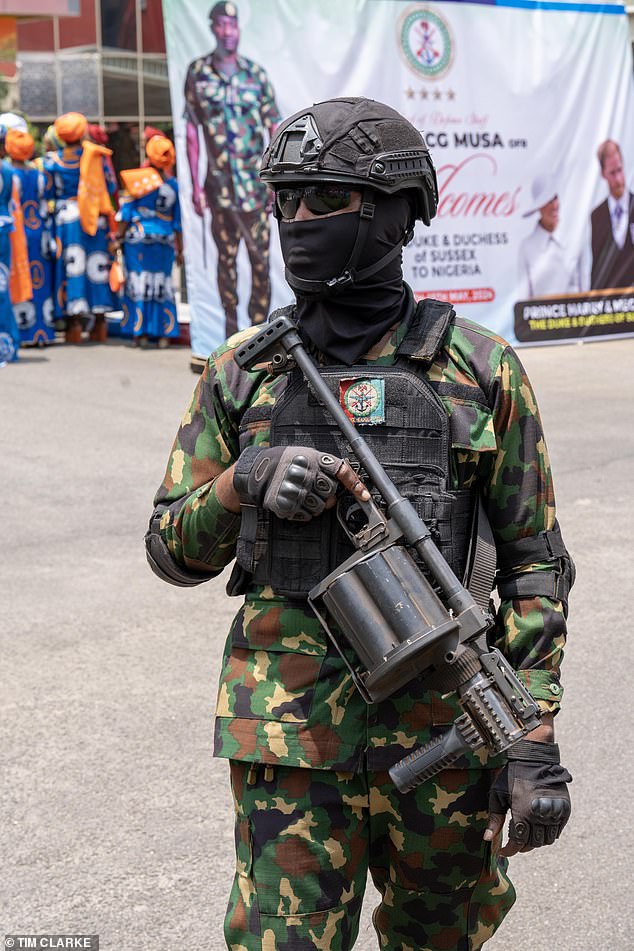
(613, 224)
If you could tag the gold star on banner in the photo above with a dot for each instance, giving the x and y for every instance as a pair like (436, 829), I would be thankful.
(423, 93)
(409, 92)
(437, 94)
(451, 94)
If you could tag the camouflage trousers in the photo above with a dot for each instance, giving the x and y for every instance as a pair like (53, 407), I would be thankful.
(305, 839)
(228, 228)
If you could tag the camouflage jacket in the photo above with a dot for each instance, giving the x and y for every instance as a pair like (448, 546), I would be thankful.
(285, 695)
(234, 113)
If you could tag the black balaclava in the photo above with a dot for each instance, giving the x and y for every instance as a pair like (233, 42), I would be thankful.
(346, 321)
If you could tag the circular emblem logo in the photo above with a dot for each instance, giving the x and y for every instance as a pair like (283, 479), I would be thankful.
(37, 275)
(426, 43)
(31, 218)
(7, 348)
(25, 314)
(362, 399)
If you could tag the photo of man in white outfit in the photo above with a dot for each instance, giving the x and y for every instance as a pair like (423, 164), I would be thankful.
(545, 268)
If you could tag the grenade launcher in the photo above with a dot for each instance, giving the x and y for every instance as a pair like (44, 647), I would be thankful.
(403, 622)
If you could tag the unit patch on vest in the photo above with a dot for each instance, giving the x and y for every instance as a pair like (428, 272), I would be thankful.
(363, 399)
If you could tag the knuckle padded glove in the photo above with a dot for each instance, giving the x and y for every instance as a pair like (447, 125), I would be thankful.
(293, 482)
(533, 786)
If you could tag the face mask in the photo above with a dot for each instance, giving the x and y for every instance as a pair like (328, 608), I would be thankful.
(319, 248)
(347, 321)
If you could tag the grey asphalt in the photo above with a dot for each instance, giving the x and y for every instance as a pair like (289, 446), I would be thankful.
(115, 818)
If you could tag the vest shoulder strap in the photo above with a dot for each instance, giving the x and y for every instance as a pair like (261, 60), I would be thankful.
(430, 323)
(428, 329)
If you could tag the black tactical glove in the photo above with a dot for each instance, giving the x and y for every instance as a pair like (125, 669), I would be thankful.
(533, 786)
(293, 482)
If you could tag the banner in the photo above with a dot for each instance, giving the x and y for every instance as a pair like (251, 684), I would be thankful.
(528, 111)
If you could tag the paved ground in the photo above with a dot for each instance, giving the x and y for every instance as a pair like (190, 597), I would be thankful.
(115, 818)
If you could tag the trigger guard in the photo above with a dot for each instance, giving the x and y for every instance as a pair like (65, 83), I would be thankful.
(375, 527)
(344, 510)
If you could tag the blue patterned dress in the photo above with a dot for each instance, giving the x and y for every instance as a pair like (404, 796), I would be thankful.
(9, 333)
(149, 307)
(82, 267)
(35, 318)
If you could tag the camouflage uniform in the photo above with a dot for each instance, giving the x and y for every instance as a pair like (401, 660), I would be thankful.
(322, 830)
(234, 113)
(286, 699)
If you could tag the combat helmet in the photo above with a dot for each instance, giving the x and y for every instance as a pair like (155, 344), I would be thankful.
(364, 144)
(355, 141)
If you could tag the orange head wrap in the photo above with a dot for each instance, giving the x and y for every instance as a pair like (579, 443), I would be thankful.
(19, 145)
(160, 151)
(71, 126)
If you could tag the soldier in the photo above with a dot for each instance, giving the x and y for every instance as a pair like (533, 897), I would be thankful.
(231, 99)
(454, 420)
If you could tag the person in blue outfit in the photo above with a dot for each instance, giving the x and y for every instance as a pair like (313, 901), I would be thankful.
(35, 318)
(81, 183)
(150, 235)
(9, 333)
(10, 120)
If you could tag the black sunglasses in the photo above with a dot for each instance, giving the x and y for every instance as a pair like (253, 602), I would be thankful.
(320, 199)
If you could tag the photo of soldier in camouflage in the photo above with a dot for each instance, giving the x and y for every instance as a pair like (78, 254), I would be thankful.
(230, 98)
(252, 478)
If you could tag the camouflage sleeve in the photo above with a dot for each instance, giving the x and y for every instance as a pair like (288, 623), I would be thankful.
(520, 502)
(199, 532)
(268, 107)
(191, 111)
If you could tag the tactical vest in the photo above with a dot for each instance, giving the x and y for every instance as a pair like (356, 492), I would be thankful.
(406, 427)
